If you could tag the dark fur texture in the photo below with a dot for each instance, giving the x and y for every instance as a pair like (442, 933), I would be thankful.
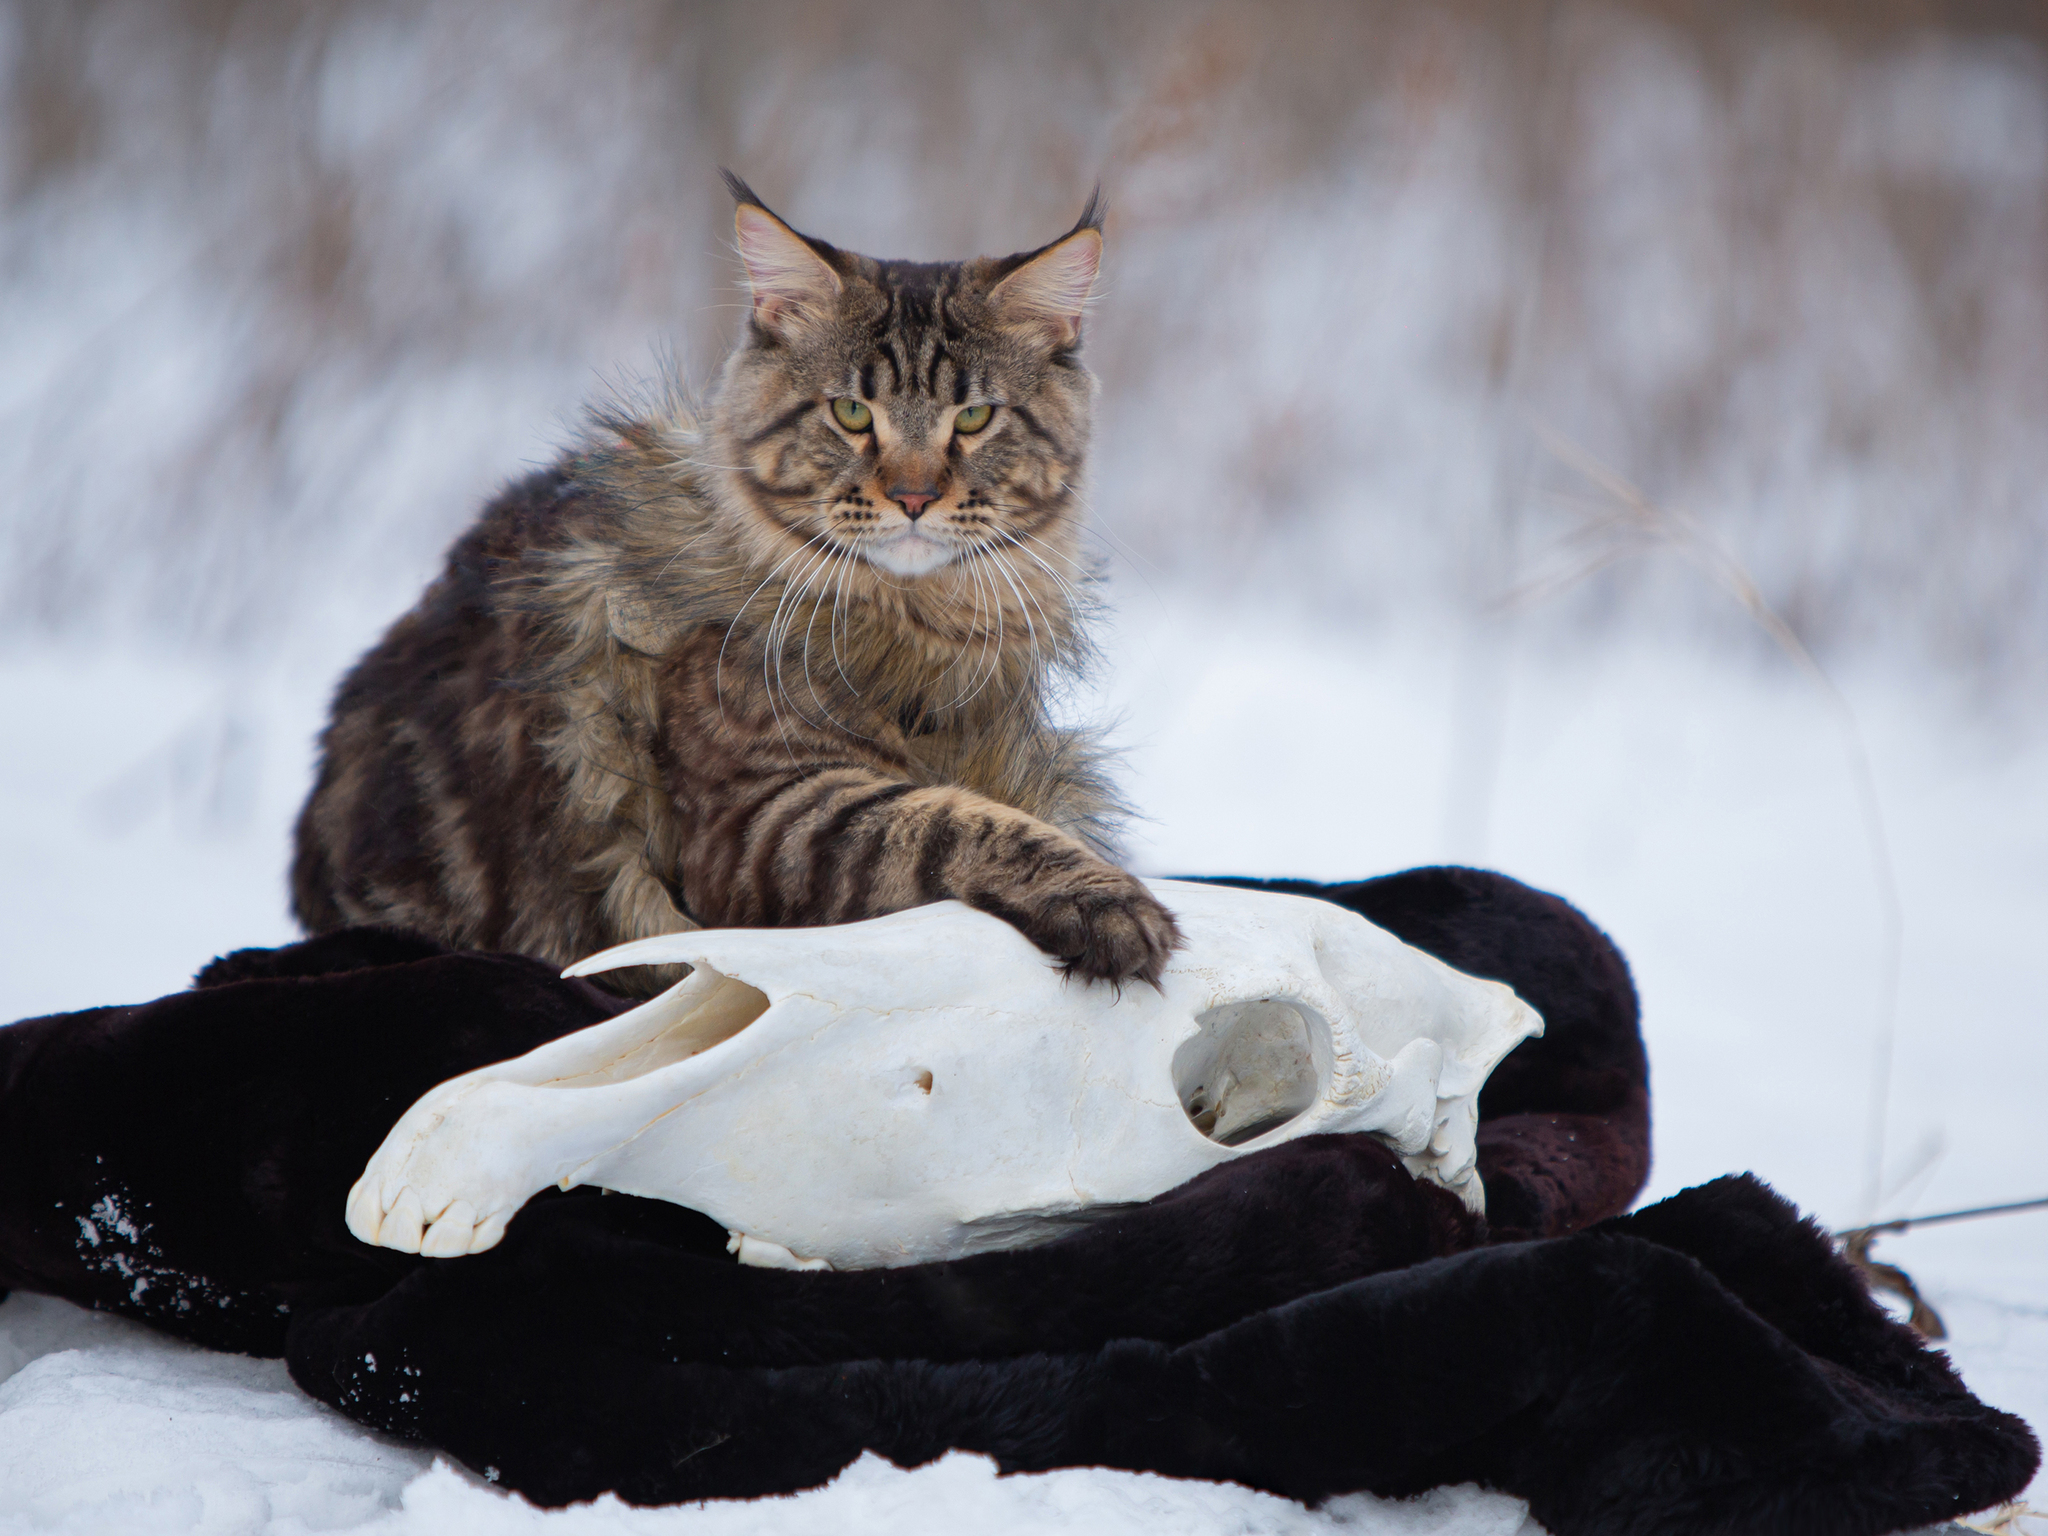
(1308, 1320)
(752, 666)
(1707, 1366)
(178, 1161)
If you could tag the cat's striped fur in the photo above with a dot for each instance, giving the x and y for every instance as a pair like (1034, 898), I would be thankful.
(751, 667)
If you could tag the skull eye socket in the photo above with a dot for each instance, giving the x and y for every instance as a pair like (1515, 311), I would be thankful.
(1249, 1069)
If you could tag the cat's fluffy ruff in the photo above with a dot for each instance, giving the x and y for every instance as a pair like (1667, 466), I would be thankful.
(664, 682)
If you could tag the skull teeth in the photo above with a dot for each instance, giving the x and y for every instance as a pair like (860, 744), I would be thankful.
(404, 1224)
(449, 1236)
(763, 1254)
(365, 1215)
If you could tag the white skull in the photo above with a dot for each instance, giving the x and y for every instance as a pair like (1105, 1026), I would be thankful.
(926, 1085)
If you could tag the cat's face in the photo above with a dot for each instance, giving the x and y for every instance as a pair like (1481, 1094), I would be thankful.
(909, 419)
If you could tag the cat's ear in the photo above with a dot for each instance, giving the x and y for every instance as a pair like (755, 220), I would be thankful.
(1048, 293)
(792, 284)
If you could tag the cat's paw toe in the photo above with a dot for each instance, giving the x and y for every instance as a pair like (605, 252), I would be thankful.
(1113, 935)
(1127, 941)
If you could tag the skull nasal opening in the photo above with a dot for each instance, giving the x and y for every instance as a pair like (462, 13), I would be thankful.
(1249, 1069)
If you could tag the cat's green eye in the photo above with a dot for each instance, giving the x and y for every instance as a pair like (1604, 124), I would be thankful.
(973, 419)
(852, 415)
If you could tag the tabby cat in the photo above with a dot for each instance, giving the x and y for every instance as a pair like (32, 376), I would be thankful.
(783, 661)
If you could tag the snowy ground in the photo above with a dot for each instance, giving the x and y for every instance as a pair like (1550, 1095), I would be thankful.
(1702, 812)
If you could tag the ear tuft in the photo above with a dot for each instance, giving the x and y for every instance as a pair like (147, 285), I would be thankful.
(791, 282)
(1092, 217)
(1048, 293)
(737, 186)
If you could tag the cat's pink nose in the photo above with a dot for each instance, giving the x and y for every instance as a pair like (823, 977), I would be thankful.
(912, 502)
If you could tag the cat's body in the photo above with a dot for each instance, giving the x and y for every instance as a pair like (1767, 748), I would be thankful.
(788, 665)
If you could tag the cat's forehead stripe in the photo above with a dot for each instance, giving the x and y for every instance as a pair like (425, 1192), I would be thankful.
(887, 346)
(912, 333)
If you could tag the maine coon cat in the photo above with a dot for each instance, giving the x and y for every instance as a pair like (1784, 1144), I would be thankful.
(786, 660)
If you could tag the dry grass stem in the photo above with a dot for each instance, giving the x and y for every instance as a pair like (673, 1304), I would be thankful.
(1621, 523)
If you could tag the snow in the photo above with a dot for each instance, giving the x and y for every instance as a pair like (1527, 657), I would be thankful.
(1698, 807)
(109, 1427)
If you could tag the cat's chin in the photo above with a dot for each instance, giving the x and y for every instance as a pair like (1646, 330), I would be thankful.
(910, 553)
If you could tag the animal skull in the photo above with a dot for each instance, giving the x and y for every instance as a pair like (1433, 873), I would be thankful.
(926, 1085)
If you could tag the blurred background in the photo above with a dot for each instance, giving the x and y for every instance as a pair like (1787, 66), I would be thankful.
(288, 286)
(1607, 441)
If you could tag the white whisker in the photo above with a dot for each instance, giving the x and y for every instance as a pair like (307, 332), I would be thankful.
(1025, 603)
(718, 671)
(779, 629)
(832, 629)
(962, 690)
(834, 557)
(774, 618)
(990, 660)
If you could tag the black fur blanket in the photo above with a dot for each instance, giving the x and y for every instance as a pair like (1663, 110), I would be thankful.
(1307, 1320)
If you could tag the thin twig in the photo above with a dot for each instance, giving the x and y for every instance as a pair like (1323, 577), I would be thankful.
(1940, 1216)
(1856, 1245)
(1857, 1241)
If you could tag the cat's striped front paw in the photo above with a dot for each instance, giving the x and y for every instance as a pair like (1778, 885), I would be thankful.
(1101, 924)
